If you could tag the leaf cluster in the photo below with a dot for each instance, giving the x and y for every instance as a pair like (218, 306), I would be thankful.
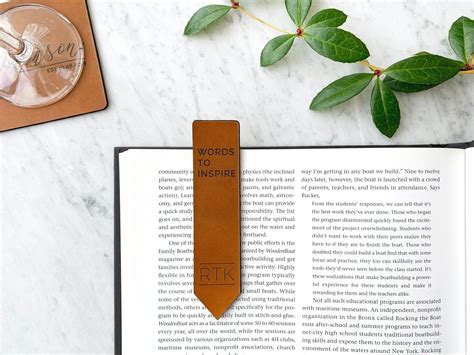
(420, 72)
(322, 32)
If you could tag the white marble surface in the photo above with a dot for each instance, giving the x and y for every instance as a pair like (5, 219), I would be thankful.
(57, 179)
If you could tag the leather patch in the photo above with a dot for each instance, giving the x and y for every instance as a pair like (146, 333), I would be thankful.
(216, 163)
(89, 93)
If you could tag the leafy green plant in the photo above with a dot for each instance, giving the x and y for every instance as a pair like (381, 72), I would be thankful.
(422, 71)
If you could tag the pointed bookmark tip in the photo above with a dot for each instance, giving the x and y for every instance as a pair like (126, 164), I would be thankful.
(218, 307)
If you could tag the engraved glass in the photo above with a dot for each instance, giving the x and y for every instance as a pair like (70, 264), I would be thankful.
(41, 56)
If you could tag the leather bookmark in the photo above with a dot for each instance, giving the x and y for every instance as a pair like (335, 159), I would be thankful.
(216, 162)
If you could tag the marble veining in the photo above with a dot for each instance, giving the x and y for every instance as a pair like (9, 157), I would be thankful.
(56, 181)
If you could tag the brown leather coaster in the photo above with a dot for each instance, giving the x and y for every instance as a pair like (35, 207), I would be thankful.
(88, 95)
(216, 161)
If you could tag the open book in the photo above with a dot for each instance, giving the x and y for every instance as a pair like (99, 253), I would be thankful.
(344, 250)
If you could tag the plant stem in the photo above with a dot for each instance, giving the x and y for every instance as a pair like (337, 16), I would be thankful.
(366, 63)
(252, 16)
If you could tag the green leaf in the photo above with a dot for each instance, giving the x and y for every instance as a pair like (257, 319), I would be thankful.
(385, 109)
(461, 38)
(424, 69)
(298, 10)
(327, 18)
(407, 88)
(341, 90)
(204, 17)
(276, 49)
(422, 53)
(336, 44)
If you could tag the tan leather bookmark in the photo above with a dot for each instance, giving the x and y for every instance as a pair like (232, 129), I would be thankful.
(216, 160)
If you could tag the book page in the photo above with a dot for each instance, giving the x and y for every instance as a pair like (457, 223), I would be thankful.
(343, 251)
(470, 247)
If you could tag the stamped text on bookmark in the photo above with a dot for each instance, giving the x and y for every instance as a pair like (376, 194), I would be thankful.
(216, 163)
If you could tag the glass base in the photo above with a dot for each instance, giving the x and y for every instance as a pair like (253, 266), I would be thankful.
(55, 64)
